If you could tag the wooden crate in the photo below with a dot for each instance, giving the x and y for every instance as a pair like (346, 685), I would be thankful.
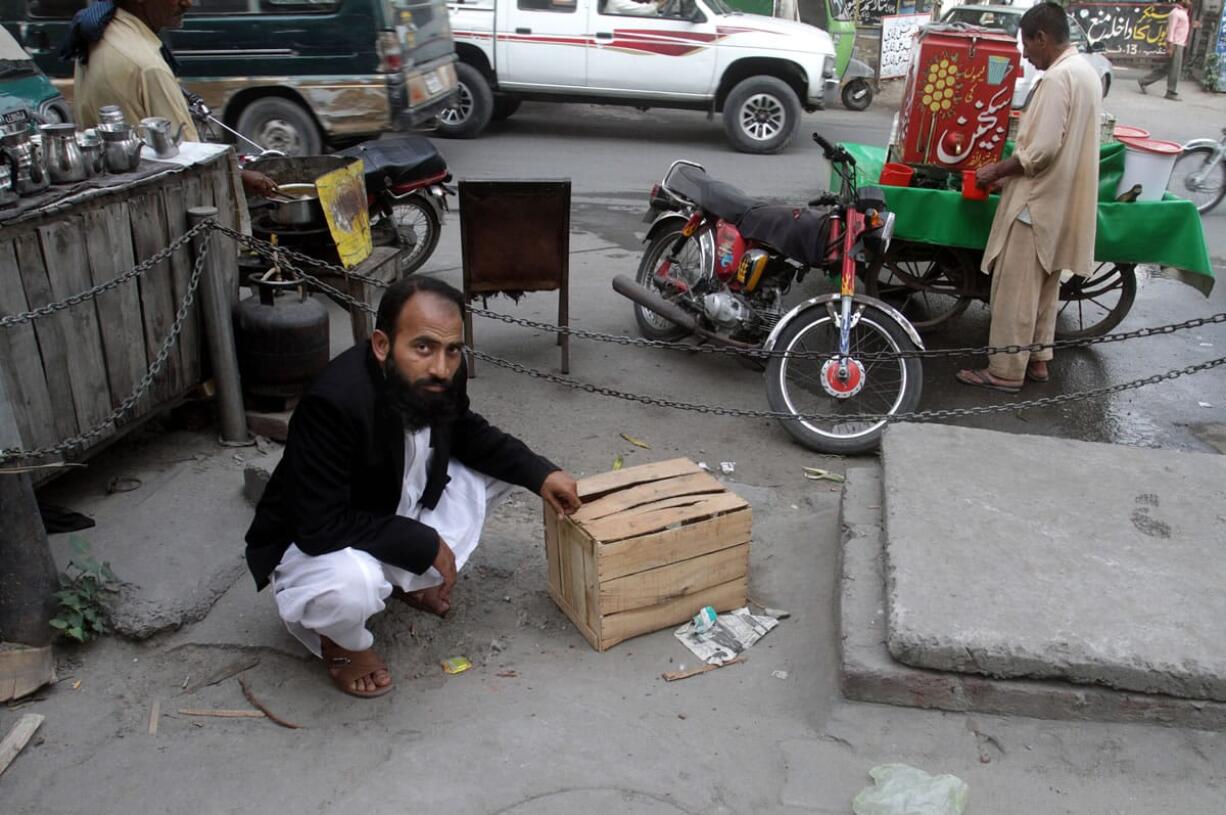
(650, 547)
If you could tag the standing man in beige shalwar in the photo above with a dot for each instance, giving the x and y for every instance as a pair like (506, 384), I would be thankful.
(1046, 219)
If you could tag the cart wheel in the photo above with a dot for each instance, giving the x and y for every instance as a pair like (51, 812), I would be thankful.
(930, 285)
(1092, 306)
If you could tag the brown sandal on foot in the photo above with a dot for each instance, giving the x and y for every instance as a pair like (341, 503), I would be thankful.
(346, 667)
(1034, 377)
(982, 379)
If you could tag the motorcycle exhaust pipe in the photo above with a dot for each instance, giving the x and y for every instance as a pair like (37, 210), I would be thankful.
(653, 302)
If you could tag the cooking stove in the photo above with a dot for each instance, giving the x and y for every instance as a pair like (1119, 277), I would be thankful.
(313, 240)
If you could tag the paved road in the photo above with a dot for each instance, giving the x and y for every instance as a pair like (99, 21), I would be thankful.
(613, 155)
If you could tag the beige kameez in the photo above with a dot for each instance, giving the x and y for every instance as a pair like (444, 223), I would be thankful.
(1046, 220)
(126, 68)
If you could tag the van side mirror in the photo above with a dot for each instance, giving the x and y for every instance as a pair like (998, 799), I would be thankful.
(1097, 47)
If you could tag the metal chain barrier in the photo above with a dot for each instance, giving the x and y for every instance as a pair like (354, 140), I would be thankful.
(262, 247)
(280, 254)
(135, 272)
(155, 367)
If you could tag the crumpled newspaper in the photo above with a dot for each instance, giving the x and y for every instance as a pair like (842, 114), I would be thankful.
(731, 635)
(900, 789)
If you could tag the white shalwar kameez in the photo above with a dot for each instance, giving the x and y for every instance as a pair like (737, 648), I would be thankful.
(335, 594)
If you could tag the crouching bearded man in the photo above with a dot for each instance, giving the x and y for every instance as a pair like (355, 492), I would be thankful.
(385, 484)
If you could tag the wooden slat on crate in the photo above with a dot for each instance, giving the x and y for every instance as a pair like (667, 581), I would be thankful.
(676, 580)
(20, 358)
(663, 514)
(623, 626)
(597, 485)
(551, 544)
(652, 551)
(623, 500)
(69, 274)
(108, 242)
(181, 271)
(52, 345)
(156, 289)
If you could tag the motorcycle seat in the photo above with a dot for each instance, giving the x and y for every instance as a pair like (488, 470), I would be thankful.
(398, 161)
(799, 233)
(717, 197)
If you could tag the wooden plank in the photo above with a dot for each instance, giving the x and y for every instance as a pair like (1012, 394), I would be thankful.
(156, 289)
(20, 359)
(616, 628)
(52, 344)
(217, 175)
(584, 629)
(676, 580)
(551, 547)
(652, 551)
(591, 592)
(108, 242)
(174, 203)
(17, 738)
(24, 670)
(576, 577)
(64, 252)
(628, 499)
(662, 515)
(596, 485)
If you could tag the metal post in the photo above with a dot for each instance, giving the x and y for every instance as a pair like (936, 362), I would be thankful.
(29, 576)
(219, 330)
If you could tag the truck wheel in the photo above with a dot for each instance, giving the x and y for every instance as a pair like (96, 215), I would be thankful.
(857, 94)
(505, 106)
(276, 123)
(473, 106)
(761, 115)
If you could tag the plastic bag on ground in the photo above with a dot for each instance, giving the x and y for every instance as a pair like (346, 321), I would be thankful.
(899, 789)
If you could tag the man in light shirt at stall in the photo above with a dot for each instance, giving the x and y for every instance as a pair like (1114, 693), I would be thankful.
(1046, 220)
(121, 61)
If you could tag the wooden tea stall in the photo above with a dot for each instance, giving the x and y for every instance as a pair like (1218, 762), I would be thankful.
(65, 373)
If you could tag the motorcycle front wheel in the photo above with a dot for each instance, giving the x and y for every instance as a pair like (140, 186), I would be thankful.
(690, 266)
(1199, 176)
(809, 384)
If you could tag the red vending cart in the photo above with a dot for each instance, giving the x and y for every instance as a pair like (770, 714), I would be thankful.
(955, 113)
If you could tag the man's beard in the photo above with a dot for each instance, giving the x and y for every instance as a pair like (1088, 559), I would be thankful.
(417, 406)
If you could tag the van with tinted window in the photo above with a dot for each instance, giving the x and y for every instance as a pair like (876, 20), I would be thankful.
(294, 75)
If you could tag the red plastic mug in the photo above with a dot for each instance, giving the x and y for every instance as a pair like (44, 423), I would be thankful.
(896, 175)
(970, 189)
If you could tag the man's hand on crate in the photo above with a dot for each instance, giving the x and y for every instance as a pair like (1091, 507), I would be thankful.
(561, 491)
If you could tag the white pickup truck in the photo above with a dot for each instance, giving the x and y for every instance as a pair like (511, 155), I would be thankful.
(695, 54)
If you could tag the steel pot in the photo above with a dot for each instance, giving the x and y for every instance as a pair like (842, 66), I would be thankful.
(299, 206)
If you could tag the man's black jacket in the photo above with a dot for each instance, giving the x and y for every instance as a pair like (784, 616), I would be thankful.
(340, 480)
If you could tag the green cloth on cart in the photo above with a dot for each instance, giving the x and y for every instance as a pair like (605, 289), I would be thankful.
(1166, 232)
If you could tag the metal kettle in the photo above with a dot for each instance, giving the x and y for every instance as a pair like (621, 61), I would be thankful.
(29, 171)
(120, 148)
(155, 132)
(65, 161)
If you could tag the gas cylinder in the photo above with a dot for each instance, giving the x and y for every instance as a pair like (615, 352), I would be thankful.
(282, 337)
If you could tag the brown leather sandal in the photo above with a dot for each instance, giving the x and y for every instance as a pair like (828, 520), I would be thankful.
(346, 667)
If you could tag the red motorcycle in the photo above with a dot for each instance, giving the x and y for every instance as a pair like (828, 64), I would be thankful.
(718, 264)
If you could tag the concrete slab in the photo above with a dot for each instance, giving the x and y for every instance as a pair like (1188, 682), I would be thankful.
(169, 511)
(868, 672)
(1049, 558)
